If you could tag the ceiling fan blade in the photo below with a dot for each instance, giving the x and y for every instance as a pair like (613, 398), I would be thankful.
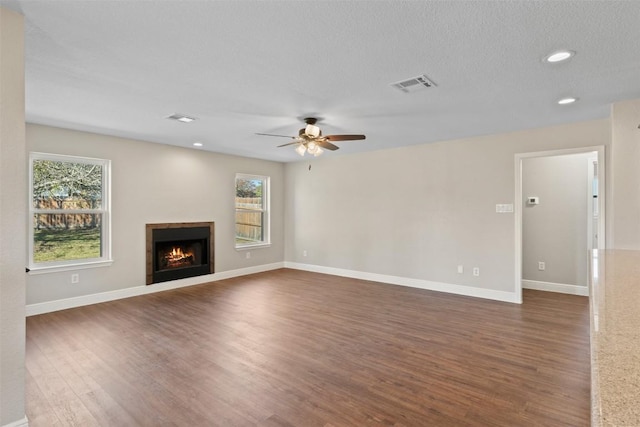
(344, 137)
(270, 134)
(327, 145)
(290, 143)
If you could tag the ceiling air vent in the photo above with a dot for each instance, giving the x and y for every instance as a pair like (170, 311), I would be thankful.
(181, 118)
(414, 84)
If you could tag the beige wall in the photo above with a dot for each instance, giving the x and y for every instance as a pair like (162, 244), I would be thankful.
(413, 212)
(623, 196)
(12, 218)
(153, 183)
(555, 230)
(418, 212)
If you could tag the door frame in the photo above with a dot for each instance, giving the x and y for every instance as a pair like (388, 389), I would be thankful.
(593, 171)
(518, 205)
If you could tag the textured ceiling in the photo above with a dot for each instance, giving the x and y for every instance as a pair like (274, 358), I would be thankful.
(120, 67)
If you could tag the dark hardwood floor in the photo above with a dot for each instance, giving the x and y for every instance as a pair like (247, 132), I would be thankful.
(292, 348)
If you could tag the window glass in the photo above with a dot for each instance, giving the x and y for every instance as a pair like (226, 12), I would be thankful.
(252, 225)
(69, 212)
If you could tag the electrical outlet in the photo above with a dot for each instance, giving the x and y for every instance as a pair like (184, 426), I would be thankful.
(460, 269)
(304, 253)
(75, 278)
(476, 271)
(248, 255)
(541, 265)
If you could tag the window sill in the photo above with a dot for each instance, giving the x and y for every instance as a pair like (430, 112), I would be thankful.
(252, 246)
(69, 267)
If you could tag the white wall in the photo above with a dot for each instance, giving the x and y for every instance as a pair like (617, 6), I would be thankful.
(12, 219)
(418, 212)
(623, 194)
(555, 231)
(153, 183)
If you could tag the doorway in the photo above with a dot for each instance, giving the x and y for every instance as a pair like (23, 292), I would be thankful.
(560, 220)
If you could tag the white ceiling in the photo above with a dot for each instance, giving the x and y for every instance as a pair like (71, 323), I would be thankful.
(120, 67)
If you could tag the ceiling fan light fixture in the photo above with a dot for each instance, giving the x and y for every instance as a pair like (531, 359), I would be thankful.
(310, 139)
(312, 147)
(312, 130)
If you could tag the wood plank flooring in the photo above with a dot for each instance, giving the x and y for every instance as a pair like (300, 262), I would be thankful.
(291, 348)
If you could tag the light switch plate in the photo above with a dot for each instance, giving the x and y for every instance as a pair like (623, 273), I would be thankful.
(504, 208)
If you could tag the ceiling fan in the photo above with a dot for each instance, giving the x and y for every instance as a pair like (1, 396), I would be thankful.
(310, 139)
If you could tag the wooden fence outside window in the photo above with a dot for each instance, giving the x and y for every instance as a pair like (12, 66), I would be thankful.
(249, 219)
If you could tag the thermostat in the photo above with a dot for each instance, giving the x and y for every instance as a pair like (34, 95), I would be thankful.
(533, 200)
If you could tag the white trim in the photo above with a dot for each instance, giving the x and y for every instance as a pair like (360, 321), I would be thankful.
(70, 267)
(63, 304)
(518, 158)
(590, 178)
(24, 422)
(65, 158)
(253, 246)
(561, 288)
(413, 283)
(517, 210)
(266, 210)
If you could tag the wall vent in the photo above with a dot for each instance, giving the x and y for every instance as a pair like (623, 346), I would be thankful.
(181, 118)
(414, 84)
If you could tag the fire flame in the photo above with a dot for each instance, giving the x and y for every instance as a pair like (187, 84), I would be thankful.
(177, 257)
(176, 253)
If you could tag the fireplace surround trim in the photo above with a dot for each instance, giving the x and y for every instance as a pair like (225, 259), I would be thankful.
(174, 225)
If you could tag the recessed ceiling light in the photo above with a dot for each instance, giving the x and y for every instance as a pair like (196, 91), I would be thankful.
(197, 144)
(559, 56)
(567, 100)
(181, 118)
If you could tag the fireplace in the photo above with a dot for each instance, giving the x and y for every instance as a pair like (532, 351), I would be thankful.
(179, 250)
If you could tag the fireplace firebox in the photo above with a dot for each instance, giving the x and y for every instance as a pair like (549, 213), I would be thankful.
(179, 250)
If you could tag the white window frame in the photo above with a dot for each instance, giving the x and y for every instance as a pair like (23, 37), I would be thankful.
(105, 210)
(266, 210)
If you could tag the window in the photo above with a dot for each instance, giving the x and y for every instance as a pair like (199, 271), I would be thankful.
(69, 210)
(252, 210)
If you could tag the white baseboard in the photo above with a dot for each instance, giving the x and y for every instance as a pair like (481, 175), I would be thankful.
(413, 283)
(20, 423)
(556, 287)
(63, 304)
